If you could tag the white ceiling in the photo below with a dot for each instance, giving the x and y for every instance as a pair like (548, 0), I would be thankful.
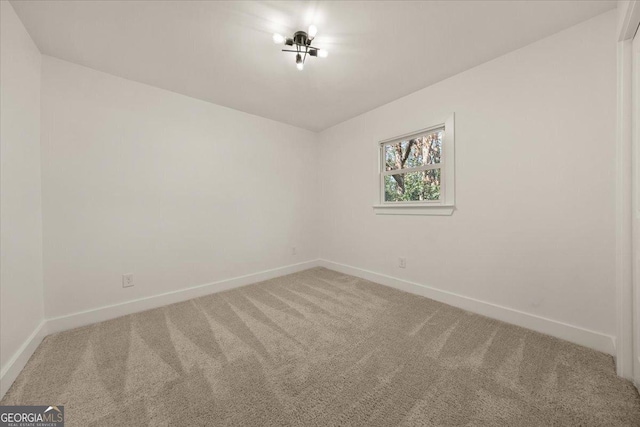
(223, 52)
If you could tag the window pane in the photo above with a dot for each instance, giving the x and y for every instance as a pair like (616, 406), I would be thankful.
(414, 186)
(413, 153)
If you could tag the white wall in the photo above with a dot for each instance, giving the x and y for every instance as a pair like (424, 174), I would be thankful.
(535, 147)
(181, 192)
(21, 306)
(177, 191)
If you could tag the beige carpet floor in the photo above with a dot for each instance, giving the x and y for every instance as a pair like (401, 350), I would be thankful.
(321, 348)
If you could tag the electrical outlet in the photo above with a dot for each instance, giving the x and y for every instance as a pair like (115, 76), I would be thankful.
(127, 280)
(294, 250)
(402, 262)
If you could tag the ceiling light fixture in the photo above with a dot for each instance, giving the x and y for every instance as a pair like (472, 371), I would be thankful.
(301, 45)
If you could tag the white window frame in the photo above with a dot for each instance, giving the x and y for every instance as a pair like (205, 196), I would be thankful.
(446, 204)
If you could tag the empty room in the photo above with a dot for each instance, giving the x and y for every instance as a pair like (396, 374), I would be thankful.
(319, 213)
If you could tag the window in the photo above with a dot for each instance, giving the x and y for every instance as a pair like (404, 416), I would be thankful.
(412, 168)
(416, 172)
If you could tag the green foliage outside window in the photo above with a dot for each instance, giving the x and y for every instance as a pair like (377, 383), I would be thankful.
(418, 185)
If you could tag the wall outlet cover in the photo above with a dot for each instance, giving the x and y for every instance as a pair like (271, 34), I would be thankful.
(127, 280)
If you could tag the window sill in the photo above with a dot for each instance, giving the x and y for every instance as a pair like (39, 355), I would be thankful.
(441, 210)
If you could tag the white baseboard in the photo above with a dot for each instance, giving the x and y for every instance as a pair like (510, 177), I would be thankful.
(75, 320)
(595, 340)
(17, 363)
(587, 338)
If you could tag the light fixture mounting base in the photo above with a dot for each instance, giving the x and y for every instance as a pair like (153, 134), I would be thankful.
(301, 38)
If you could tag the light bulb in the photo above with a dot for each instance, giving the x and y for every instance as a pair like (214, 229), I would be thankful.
(322, 53)
(278, 39)
(312, 31)
(300, 66)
